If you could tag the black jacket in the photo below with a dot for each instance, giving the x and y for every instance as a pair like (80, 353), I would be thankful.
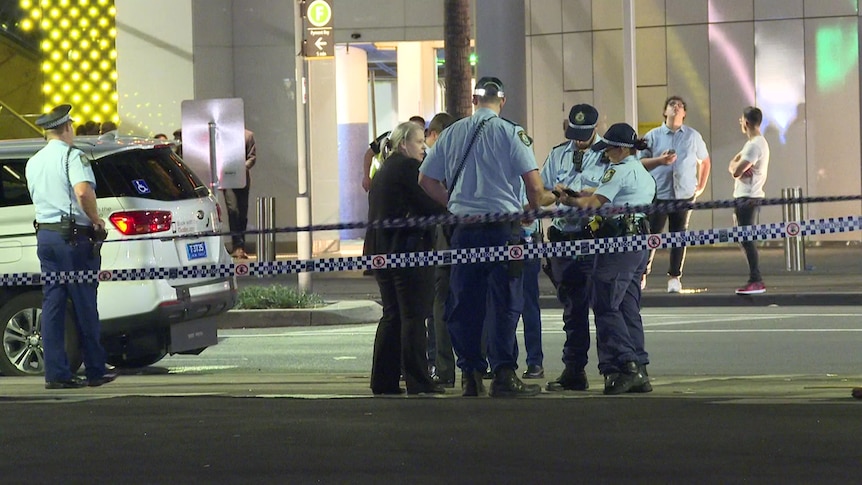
(394, 193)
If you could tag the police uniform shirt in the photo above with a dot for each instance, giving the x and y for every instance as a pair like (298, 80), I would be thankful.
(678, 180)
(560, 168)
(491, 179)
(627, 183)
(51, 190)
(528, 231)
(756, 151)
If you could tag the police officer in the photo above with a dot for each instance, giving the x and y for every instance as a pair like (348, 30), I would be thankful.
(62, 186)
(483, 159)
(616, 277)
(572, 165)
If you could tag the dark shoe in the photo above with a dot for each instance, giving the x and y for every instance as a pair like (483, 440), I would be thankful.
(623, 381)
(507, 384)
(450, 383)
(643, 378)
(534, 372)
(471, 384)
(432, 389)
(71, 383)
(106, 378)
(388, 392)
(572, 379)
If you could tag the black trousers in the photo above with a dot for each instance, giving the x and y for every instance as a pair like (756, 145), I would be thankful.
(676, 221)
(407, 295)
(746, 216)
(236, 201)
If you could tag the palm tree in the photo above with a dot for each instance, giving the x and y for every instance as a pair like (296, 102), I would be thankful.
(456, 33)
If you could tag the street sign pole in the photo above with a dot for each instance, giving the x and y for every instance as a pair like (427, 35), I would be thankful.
(303, 199)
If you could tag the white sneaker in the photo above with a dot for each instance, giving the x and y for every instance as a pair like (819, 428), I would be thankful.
(674, 285)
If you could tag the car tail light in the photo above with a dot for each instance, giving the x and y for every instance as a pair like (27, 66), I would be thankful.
(141, 222)
(218, 212)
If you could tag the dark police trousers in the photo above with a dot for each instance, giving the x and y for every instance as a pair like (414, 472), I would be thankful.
(55, 254)
(573, 277)
(616, 304)
(477, 290)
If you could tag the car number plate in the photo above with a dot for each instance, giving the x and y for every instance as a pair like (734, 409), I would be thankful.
(196, 250)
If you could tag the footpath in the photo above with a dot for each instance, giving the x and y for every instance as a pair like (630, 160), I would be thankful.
(832, 276)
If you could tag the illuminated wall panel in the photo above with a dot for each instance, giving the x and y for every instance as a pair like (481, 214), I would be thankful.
(832, 114)
(78, 55)
(827, 8)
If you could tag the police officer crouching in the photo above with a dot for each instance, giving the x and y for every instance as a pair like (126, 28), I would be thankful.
(616, 276)
(68, 233)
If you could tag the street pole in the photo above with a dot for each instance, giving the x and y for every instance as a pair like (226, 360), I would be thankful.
(630, 64)
(303, 201)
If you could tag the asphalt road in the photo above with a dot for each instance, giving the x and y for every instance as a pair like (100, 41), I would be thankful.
(754, 395)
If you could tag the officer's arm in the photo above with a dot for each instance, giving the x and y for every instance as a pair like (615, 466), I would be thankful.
(435, 189)
(593, 201)
(87, 200)
(537, 194)
(366, 169)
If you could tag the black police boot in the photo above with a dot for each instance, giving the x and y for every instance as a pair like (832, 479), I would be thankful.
(572, 379)
(471, 384)
(507, 384)
(623, 381)
(643, 378)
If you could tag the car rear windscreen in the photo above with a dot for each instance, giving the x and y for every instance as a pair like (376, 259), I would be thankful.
(156, 174)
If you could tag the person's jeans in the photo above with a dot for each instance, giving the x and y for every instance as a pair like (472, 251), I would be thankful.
(236, 201)
(677, 222)
(746, 216)
(532, 314)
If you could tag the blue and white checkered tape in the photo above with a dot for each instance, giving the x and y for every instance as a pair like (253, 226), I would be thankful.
(759, 232)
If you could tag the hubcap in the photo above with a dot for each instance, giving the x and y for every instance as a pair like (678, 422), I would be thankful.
(22, 341)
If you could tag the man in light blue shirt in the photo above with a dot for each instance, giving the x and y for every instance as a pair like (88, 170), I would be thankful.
(678, 160)
(483, 160)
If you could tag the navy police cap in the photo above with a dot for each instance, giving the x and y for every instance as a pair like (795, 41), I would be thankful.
(56, 117)
(618, 135)
(489, 86)
(582, 122)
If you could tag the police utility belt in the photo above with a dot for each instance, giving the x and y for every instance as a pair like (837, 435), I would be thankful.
(70, 231)
(617, 226)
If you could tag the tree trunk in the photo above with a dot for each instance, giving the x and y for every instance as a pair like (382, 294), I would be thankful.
(456, 33)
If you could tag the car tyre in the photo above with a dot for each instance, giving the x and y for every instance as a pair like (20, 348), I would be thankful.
(21, 344)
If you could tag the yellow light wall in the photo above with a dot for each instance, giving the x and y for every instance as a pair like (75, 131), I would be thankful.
(79, 55)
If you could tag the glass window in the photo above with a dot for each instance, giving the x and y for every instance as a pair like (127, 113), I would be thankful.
(149, 174)
(13, 185)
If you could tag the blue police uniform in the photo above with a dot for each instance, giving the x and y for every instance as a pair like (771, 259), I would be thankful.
(616, 278)
(51, 189)
(489, 183)
(577, 170)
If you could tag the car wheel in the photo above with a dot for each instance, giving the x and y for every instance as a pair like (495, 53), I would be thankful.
(21, 320)
(137, 361)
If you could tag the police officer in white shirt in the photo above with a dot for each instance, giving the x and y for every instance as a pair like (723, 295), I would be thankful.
(748, 169)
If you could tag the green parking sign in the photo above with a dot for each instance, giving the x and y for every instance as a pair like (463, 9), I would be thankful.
(319, 13)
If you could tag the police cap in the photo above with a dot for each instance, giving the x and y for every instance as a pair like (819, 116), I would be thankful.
(618, 135)
(582, 122)
(56, 117)
(489, 86)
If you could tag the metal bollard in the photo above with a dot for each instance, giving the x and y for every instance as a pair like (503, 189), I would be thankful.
(265, 224)
(794, 246)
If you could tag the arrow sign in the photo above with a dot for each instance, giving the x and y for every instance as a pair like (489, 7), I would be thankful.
(318, 38)
(320, 43)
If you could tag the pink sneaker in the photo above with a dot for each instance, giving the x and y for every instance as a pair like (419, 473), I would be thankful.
(755, 288)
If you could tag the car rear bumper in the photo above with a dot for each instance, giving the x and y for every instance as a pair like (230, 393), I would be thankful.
(186, 307)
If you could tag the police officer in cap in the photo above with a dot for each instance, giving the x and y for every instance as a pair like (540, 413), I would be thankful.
(616, 277)
(483, 160)
(573, 166)
(62, 187)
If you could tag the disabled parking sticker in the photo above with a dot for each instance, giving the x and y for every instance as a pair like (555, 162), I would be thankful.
(141, 186)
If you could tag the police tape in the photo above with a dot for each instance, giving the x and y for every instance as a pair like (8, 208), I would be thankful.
(585, 247)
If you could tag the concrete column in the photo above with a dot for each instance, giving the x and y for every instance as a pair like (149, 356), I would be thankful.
(323, 152)
(501, 51)
(409, 80)
(351, 74)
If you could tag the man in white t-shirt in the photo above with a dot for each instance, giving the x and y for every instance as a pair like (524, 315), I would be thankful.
(748, 169)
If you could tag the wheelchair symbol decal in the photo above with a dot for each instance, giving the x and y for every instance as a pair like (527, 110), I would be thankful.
(141, 186)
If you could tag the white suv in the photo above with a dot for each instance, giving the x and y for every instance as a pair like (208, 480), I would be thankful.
(144, 190)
